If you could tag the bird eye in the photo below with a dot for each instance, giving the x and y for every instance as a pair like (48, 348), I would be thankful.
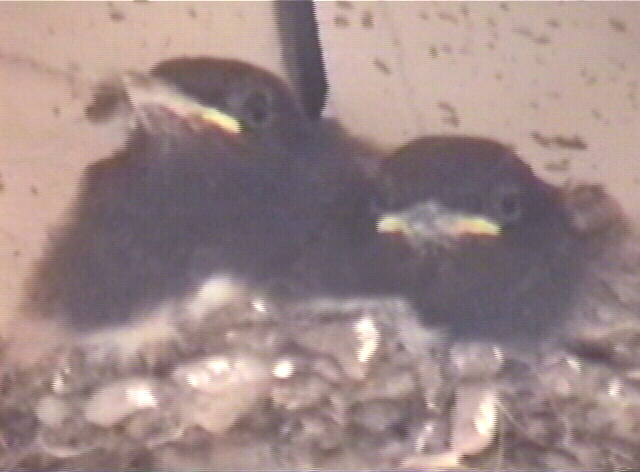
(508, 205)
(257, 108)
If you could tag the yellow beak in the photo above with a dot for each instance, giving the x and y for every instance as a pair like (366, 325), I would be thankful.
(221, 119)
(438, 225)
(144, 91)
(475, 226)
(187, 107)
(392, 224)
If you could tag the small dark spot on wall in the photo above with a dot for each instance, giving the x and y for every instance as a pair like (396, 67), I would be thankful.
(618, 63)
(17, 253)
(192, 12)
(633, 99)
(617, 25)
(573, 142)
(445, 16)
(554, 94)
(367, 19)
(114, 14)
(341, 21)
(450, 114)
(491, 45)
(527, 33)
(423, 15)
(535, 105)
(167, 41)
(381, 66)
(433, 52)
(539, 139)
(504, 6)
(598, 116)
(55, 110)
(73, 67)
(561, 165)
(553, 23)
(589, 77)
(498, 75)
(464, 9)
(446, 48)
(51, 31)
(345, 5)
(1, 184)
(34, 190)
(491, 22)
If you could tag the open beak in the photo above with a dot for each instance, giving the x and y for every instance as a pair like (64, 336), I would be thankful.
(431, 222)
(150, 97)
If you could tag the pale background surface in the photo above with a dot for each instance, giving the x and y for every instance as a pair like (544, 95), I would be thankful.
(560, 81)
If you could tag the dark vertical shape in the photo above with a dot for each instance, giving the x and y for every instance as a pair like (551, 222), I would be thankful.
(302, 52)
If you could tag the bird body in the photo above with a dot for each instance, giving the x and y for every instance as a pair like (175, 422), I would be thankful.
(147, 231)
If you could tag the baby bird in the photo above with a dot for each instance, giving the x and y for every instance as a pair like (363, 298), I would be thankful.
(491, 251)
(221, 184)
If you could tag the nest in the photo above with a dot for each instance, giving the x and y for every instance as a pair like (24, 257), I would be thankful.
(341, 384)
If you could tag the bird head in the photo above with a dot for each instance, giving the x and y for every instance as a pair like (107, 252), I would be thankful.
(239, 101)
(452, 191)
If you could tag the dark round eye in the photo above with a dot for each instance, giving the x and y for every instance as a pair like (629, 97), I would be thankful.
(508, 205)
(257, 108)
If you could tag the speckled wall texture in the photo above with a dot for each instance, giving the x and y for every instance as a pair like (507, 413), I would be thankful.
(560, 81)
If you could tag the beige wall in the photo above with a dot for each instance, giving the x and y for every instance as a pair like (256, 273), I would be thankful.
(506, 70)
(568, 71)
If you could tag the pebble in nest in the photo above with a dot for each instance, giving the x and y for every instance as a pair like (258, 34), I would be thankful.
(221, 184)
(322, 388)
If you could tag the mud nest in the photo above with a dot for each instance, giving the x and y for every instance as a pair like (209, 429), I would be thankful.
(341, 384)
